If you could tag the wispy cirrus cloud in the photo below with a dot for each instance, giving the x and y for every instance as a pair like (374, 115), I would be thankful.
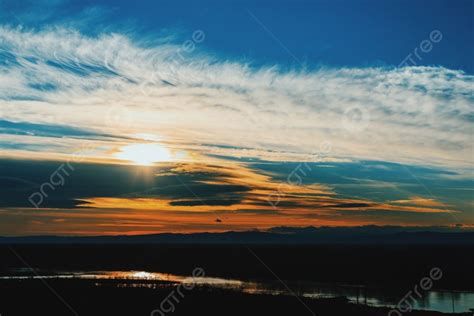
(118, 85)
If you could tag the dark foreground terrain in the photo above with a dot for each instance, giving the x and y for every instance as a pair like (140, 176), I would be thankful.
(389, 266)
(393, 267)
(83, 298)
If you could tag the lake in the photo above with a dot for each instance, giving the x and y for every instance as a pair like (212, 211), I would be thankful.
(435, 300)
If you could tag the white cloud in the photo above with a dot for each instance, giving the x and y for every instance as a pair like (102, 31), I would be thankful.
(116, 84)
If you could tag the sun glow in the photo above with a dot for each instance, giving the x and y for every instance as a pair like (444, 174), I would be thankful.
(144, 154)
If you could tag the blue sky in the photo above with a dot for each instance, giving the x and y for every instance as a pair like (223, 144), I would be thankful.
(232, 99)
(317, 33)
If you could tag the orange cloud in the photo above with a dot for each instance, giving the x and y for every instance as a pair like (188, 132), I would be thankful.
(299, 204)
(416, 200)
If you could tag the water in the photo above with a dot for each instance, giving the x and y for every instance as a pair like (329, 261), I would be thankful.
(435, 300)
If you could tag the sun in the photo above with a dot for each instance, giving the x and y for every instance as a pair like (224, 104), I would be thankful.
(144, 154)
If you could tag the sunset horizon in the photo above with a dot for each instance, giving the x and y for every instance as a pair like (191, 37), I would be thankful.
(237, 157)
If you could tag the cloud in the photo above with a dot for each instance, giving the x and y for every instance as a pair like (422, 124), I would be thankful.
(420, 201)
(188, 194)
(114, 84)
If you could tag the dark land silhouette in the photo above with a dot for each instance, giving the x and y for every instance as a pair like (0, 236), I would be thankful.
(86, 299)
(394, 267)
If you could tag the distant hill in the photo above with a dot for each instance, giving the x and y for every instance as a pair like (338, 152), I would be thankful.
(278, 235)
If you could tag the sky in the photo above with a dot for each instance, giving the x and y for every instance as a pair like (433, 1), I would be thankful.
(121, 117)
